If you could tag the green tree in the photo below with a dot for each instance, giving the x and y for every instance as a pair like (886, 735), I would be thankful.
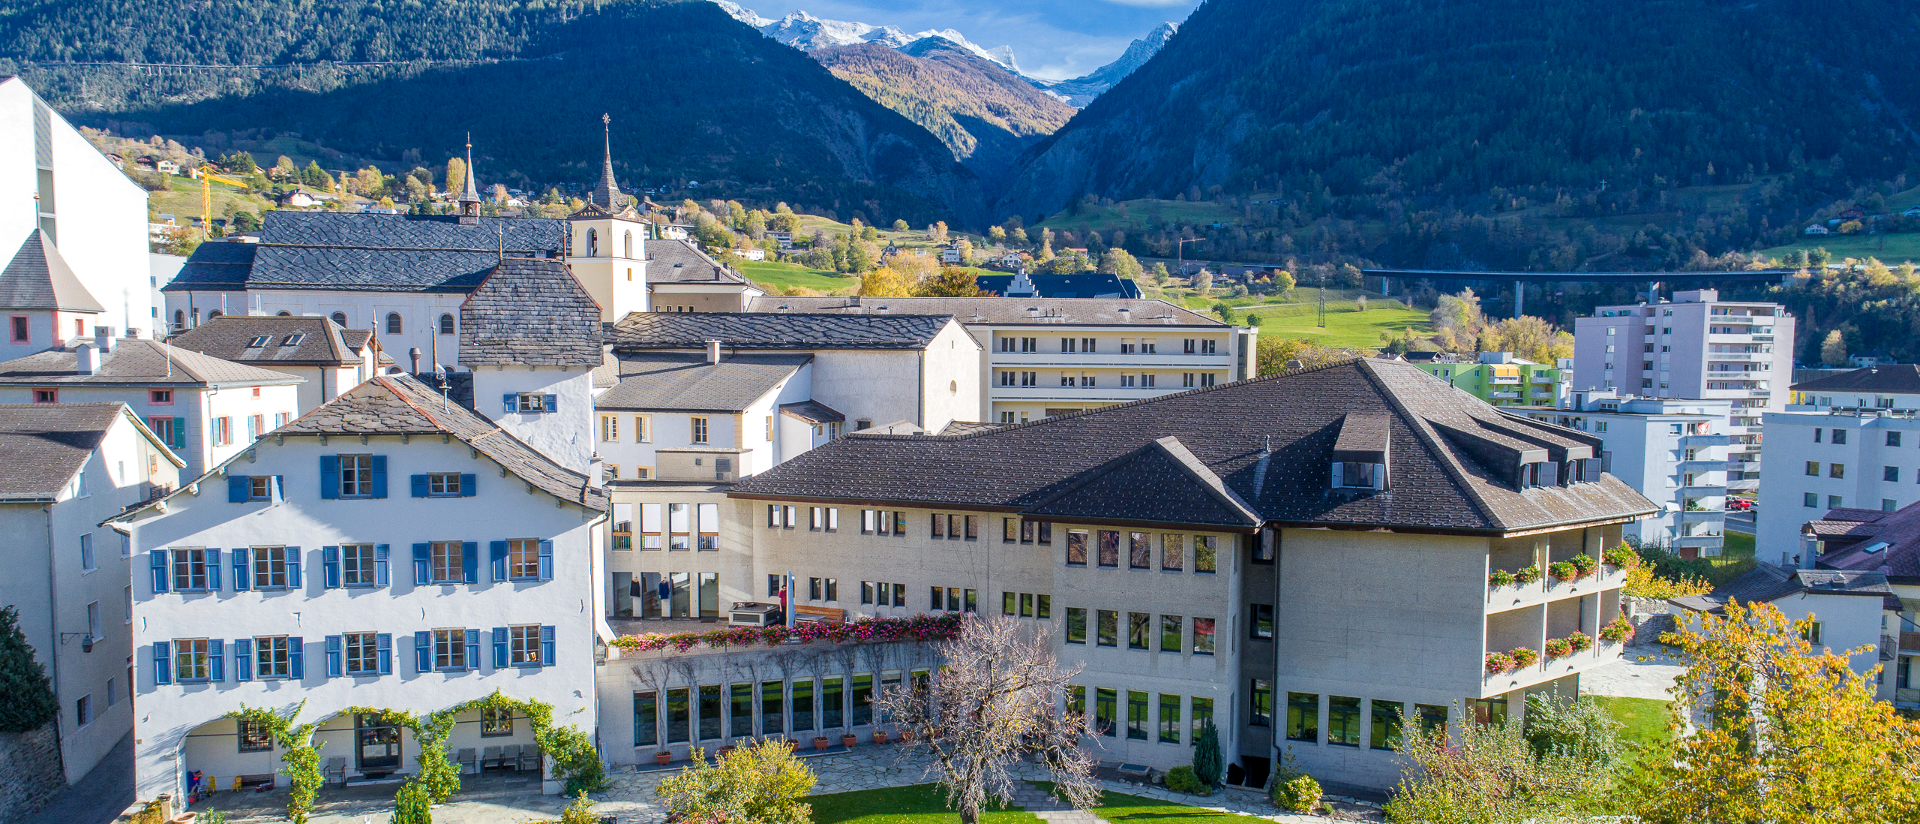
(997, 235)
(284, 168)
(1284, 282)
(885, 282)
(413, 804)
(761, 784)
(245, 221)
(901, 226)
(1206, 756)
(26, 695)
(1160, 274)
(239, 163)
(1121, 262)
(1833, 350)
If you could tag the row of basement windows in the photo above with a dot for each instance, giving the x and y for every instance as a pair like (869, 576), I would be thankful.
(353, 654)
(713, 712)
(1106, 705)
(1140, 631)
(256, 736)
(953, 527)
(198, 569)
(675, 527)
(1345, 715)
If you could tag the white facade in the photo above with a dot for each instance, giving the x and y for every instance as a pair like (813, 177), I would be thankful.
(68, 577)
(1034, 371)
(1696, 346)
(1855, 459)
(326, 613)
(560, 427)
(53, 179)
(650, 444)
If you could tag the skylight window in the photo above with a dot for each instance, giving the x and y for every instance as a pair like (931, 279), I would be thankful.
(259, 341)
(293, 339)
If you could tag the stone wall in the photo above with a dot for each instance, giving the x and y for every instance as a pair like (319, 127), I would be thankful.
(31, 763)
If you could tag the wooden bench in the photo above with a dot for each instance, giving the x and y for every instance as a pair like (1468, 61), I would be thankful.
(825, 615)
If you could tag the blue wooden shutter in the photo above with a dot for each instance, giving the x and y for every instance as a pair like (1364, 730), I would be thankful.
(379, 565)
(423, 652)
(329, 476)
(157, 560)
(213, 570)
(546, 646)
(546, 560)
(473, 649)
(470, 561)
(498, 552)
(162, 662)
(216, 660)
(499, 647)
(330, 567)
(383, 644)
(179, 433)
(296, 658)
(379, 476)
(469, 484)
(511, 401)
(553, 403)
(422, 564)
(419, 484)
(238, 487)
(293, 567)
(243, 659)
(336, 648)
(241, 580)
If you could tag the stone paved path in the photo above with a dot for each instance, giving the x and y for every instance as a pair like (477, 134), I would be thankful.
(1644, 672)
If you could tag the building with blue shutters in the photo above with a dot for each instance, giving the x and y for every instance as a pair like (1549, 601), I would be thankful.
(390, 549)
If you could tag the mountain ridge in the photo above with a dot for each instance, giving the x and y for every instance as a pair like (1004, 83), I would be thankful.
(1080, 91)
(805, 32)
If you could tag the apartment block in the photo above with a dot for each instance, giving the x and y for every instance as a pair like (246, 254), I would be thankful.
(1695, 346)
(1671, 450)
(1855, 551)
(1501, 379)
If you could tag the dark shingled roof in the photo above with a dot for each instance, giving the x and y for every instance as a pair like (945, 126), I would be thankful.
(38, 278)
(137, 362)
(1084, 285)
(1886, 542)
(530, 312)
(1005, 311)
(743, 330)
(1160, 483)
(685, 382)
(1893, 379)
(812, 412)
(46, 443)
(679, 261)
(317, 341)
(1270, 441)
(402, 405)
(1766, 583)
(368, 252)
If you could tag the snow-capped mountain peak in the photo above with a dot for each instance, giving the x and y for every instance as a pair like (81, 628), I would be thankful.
(803, 31)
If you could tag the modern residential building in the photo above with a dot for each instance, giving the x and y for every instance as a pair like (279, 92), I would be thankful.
(708, 415)
(1669, 449)
(1850, 609)
(70, 467)
(1843, 458)
(385, 550)
(1041, 357)
(1862, 544)
(205, 409)
(1696, 346)
(1501, 379)
(53, 181)
(330, 359)
(875, 370)
(1195, 553)
(1893, 388)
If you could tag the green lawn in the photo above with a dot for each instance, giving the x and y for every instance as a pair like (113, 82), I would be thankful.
(1121, 808)
(1890, 248)
(1735, 558)
(1135, 215)
(775, 276)
(1346, 327)
(918, 804)
(1643, 720)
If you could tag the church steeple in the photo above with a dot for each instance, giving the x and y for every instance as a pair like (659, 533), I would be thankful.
(606, 193)
(470, 199)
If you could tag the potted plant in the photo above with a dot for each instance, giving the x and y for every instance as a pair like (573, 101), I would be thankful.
(722, 752)
(820, 742)
(847, 740)
(1558, 648)
(1621, 557)
(1499, 663)
(1584, 564)
(1523, 657)
(879, 736)
(1617, 631)
(1527, 575)
(1580, 642)
(663, 757)
(1563, 571)
(1500, 578)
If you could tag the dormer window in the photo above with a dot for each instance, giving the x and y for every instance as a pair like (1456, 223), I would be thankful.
(1356, 475)
(1534, 474)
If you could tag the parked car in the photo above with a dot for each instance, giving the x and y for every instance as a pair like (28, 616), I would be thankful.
(1739, 505)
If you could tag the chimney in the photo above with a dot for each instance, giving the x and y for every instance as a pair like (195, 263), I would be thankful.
(713, 351)
(1126, 314)
(103, 340)
(84, 360)
(414, 354)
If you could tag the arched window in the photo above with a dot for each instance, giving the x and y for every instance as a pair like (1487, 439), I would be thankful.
(341, 319)
(446, 324)
(285, 314)
(393, 323)
(593, 243)
(179, 319)
(214, 314)
(629, 244)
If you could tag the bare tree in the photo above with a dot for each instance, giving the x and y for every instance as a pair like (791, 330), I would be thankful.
(999, 699)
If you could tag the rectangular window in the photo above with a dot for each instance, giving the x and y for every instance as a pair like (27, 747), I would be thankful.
(861, 696)
(709, 711)
(189, 570)
(1833, 501)
(800, 697)
(1009, 529)
(449, 649)
(680, 527)
(1026, 605)
(1139, 550)
(1203, 553)
(523, 559)
(449, 563)
(1136, 715)
(532, 402)
(523, 646)
(1173, 553)
(699, 429)
(1170, 631)
(260, 488)
(443, 485)
(19, 331)
(610, 428)
(1343, 721)
(833, 589)
(832, 707)
(1813, 468)
(939, 524)
(652, 526)
(1169, 719)
(1836, 470)
(1839, 436)
(1104, 707)
(496, 723)
(1109, 548)
(1810, 499)
(642, 428)
(1203, 636)
(1260, 713)
(86, 551)
(46, 396)
(1076, 625)
(1890, 473)
(1139, 630)
(190, 661)
(1008, 601)
(1303, 716)
(1202, 717)
(363, 653)
(1262, 623)
(269, 567)
(272, 657)
(1893, 439)
(679, 715)
(1076, 547)
(1107, 628)
(356, 476)
(772, 707)
(1043, 606)
(1386, 725)
(1077, 700)
(255, 736)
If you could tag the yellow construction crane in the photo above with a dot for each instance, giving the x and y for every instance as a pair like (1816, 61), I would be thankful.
(207, 179)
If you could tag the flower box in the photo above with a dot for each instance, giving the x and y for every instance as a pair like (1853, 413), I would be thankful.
(1558, 648)
(1617, 631)
(1527, 575)
(1523, 657)
(1580, 641)
(1499, 663)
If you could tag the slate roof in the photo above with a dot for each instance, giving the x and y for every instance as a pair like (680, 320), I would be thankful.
(1002, 311)
(813, 412)
(318, 341)
(679, 261)
(136, 362)
(685, 382)
(1160, 483)
(1893, 379)
(1893, 537)
(46, 443)
(1083, 285)
(1766, 583)
(779, 330)
(37, 277)
(530, 312)
(403, 405)
(368, 252)
(1269, 441)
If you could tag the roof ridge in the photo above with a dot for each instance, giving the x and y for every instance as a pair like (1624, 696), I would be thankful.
(1430, 440)
(402, 396)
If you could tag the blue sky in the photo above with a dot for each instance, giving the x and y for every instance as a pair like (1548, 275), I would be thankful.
(1053, 39)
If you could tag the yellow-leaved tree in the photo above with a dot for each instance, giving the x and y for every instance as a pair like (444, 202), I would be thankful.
(1766, 730)
(884, 282)
(759, 784)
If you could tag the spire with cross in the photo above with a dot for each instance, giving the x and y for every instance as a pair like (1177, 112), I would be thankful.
(470, 198)
(606, 193)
